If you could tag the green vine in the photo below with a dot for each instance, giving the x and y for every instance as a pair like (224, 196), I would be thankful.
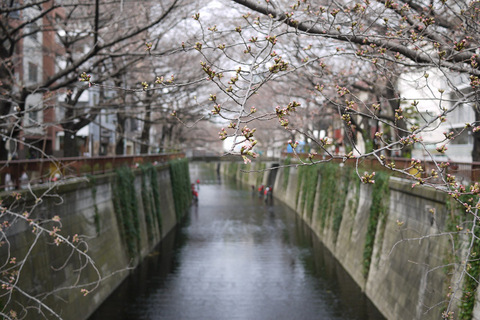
(156, 197)
(328, 189)
(378, 209)
(180, 178)
(232, 169)
(341, 188)
(308, 178)
(92, 181)
(470, 284)
(151, 199)
(301, 173)
(261, 169)
(353, 203)
(126, 209)
(286, 172)
(246, 168)
(335, 182)
(147, 201)
(459, 220)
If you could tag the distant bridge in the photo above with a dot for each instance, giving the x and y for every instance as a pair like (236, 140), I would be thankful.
(227, 158)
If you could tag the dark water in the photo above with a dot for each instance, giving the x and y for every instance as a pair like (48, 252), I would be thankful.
(237, 257)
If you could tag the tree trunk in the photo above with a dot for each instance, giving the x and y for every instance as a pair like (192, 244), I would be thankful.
(170, 137)
(3, 150)
(5, 107)
(400, 128)
(119, 146)
(120, 132)
(476, 139)
(146, 131)
(12, 131)
(161, 142)
(70, 144)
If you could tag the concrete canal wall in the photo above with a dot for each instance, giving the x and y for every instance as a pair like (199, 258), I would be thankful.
(121, 221)
(389, 237)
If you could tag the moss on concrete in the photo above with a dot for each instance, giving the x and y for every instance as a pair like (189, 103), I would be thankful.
(378, 211)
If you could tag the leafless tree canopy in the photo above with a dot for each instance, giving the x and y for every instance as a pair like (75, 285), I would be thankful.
(335, 80)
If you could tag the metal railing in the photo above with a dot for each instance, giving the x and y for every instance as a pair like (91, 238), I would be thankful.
(15, 174)
(465, 172)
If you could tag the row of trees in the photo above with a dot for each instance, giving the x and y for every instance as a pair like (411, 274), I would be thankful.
(55, 53)
(392, 72)
(335, 57)
(115, 45)
(355, 60)
(375, 77)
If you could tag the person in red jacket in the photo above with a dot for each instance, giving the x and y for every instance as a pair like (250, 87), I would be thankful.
(194, 193)
(260, 191)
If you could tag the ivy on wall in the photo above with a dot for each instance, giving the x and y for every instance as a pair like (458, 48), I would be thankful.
(335, 183)
(352, 204)
(151, 199)
(156, 197)
(470, 284)
(126, 206)
(232, 169)
(126, 209)
(378, 211)
(347, 179)
(260, 166)
(147, 202)
(457, 221)
(92, 182)
(180, 178)
(286, 172)
(329, 183)
(307, 187)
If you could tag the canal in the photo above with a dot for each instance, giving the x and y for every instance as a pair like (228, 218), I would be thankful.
(238, 257)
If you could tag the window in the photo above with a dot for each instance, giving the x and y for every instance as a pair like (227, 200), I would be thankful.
(133, 124)
(465, 137)
(32, 30)
(32, 115)
(32, 72)
(103, 149)
(10, 5)
(464, 107)
(463, 113)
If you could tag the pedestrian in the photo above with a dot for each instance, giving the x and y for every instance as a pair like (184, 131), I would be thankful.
(265, 193)
(270, 194)
(194, 193)
(9, 185)
(260, 191)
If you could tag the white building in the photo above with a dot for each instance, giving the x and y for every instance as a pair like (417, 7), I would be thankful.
(433, 93)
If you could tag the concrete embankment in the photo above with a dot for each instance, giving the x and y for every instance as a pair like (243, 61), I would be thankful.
(121, 217)
(393, 240)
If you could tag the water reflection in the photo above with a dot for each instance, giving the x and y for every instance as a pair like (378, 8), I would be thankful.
(237, 257)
